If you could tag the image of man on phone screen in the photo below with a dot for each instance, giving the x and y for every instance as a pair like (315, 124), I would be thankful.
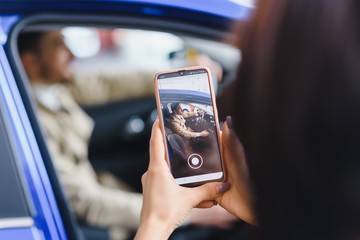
(178, 123)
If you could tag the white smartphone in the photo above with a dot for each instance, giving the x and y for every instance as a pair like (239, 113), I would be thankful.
(188, 115)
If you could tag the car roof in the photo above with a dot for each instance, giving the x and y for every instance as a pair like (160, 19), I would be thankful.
(222, 12)
(185, 96)
(226, 8)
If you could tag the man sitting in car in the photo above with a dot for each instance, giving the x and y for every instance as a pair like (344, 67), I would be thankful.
(178, 126)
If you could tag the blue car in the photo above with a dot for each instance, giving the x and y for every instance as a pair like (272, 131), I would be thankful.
(106, 37)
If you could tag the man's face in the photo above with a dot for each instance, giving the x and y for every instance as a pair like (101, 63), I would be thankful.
(54, 58)
(178, 110)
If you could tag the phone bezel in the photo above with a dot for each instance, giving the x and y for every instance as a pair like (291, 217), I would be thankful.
(196, 179)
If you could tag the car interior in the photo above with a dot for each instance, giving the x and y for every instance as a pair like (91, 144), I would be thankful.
(124, 53)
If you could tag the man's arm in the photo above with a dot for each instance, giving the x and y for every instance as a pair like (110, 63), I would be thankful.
(95, 88)
(183, 132)
(190, 114)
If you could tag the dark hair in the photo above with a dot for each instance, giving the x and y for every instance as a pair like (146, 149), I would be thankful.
(297, 113)
(29, 41)
(173, 106)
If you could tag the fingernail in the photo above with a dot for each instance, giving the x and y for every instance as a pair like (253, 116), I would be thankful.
(223, 187)
(229, 122)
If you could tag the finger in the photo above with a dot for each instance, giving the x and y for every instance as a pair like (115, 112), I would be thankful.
(230, 141)
(157, 148)
(228, 131)
(143, 178)
(208, 192)
(207, 204)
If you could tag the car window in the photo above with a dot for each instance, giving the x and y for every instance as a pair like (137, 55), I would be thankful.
(112, 81)
(113, 64)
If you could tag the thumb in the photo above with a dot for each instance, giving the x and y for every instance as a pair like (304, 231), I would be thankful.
(230, 140)
(228, 133)
(207, 192)
(157, 147)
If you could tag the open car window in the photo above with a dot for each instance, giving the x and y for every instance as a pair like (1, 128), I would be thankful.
(115, 64)
(113, 70)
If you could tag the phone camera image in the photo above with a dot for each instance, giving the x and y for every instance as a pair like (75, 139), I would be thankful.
(191, 132)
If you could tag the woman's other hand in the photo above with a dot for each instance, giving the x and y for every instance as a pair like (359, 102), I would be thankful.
(239, 199)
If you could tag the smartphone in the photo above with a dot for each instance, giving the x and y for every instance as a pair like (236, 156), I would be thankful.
(189, 123)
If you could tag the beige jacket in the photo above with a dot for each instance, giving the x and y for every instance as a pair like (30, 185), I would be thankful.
(177, 125)
(92, 88)
(67, 131)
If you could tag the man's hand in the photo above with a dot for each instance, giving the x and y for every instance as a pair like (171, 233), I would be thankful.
(204, 133)
(201, 113)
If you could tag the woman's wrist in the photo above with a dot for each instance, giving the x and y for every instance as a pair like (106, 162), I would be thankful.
(153, 228)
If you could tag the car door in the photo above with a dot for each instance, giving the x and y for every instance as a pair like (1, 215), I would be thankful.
(29, 209)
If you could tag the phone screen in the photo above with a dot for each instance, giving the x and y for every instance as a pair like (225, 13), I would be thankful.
(190, 126)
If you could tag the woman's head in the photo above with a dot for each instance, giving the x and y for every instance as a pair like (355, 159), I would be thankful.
(297, 113)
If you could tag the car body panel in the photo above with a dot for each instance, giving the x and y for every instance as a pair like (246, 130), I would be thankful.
(33, 174)
(223, 8)
(21, 233)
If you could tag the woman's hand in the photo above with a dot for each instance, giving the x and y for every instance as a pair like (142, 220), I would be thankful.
(216, 217)
(239, 199)
(165, 203)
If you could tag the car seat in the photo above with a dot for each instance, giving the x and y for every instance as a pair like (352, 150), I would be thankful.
(176, 144)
